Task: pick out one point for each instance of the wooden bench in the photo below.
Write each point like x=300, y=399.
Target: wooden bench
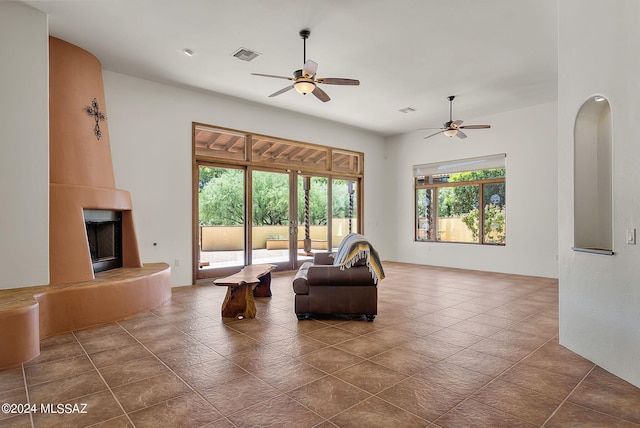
x=242, y=286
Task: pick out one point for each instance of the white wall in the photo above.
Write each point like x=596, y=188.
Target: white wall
x=600, y=295
x=24, y=146
x=528, y=137
x=150, y=132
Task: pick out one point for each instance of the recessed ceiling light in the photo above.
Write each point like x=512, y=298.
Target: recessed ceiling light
x=188, y=52
x=598, y=98
x=407, y=110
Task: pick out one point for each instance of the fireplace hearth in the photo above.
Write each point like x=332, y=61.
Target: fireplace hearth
x=104, y=235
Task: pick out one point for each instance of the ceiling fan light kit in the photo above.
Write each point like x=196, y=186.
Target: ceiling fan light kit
x=304, y=87
x=452, y=128
x=305, y=80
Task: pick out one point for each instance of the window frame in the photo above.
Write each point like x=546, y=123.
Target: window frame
x=239, y=151
x=432, y=183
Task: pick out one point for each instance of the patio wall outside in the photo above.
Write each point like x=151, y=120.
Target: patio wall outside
x=231, y=238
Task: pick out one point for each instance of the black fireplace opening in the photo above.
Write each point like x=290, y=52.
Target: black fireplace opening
x=104, y=235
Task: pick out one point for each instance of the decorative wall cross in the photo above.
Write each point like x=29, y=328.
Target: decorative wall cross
x=98, y=116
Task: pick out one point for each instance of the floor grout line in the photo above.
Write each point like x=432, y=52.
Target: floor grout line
x=26, y=391
x=103, y=379
x=176, y=374
x=568, y=395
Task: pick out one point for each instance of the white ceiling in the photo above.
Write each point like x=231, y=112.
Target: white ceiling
x=494, y=55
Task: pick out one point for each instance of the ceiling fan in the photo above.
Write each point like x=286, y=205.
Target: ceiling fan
x=305, y=80
x=453, y=127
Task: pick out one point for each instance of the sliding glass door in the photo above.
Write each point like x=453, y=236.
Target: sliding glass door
x=259, y=199
x=221, y=219
x=313, y=212
x=288, y=221
x=344, y=213
x=272, y=232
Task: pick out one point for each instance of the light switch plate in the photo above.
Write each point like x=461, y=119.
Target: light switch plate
x=631, y=236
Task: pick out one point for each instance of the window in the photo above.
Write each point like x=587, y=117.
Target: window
x=461, y=201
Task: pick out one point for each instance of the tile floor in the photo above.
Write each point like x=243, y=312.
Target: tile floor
x=449, y=348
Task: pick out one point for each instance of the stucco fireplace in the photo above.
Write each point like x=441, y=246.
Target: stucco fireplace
x=95, y=270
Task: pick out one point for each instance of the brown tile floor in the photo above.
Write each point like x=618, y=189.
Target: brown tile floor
x=449, y=348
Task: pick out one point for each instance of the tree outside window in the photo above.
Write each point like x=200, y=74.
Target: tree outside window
x=221, y=199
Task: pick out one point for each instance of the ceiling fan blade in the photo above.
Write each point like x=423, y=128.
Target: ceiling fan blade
x=432, y=135
x=461, y=134
x=475, y=126
x=321, y=95
x=281, y=91
x=457, y=123
x=338, y=81
x=271, y=75
x=310, y=67
x=424, y=129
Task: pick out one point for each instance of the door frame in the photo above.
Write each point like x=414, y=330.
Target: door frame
x=210, y=147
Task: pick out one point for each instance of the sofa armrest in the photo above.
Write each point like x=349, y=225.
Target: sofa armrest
x=300, y=284
x=319, y=275
x=323, y=259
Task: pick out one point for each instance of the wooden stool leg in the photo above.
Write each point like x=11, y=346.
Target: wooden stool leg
x=264, y=288
x=239, y=302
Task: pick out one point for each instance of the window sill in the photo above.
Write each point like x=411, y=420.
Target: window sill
x=600, y=251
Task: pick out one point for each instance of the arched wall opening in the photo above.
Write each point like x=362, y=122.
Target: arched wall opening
x=593, y=196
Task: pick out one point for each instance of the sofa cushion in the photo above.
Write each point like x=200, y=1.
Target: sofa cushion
x=323, y=258
x=334, y=276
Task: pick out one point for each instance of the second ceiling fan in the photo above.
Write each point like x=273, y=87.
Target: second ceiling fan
x=305, y=80
x=452, y=128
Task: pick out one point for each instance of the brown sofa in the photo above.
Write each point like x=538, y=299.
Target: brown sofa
x=341, y=283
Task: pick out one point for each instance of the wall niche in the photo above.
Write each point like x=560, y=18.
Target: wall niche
x=593, y=187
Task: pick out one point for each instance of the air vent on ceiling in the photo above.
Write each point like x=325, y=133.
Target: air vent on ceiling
x=246, y=54
x=407, y=110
